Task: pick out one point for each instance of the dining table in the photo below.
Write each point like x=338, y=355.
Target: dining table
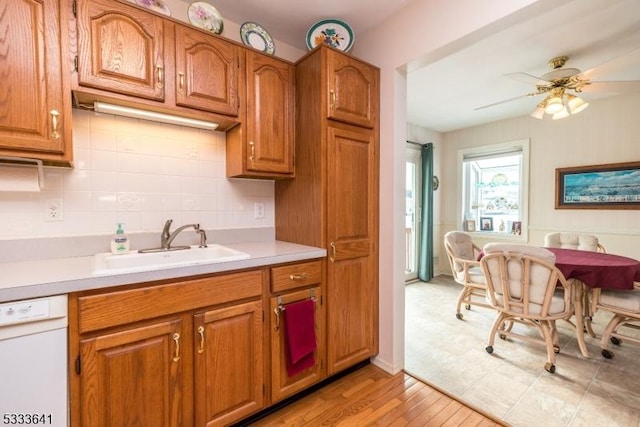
x=586, y=270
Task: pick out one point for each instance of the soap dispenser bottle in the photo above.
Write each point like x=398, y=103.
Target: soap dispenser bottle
x=119, y=241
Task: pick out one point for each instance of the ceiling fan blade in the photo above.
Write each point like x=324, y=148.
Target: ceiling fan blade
x=528, y=79
x=612, y=87
x=506, y=100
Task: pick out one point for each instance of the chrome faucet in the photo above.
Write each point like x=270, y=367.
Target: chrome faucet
x=166, y=238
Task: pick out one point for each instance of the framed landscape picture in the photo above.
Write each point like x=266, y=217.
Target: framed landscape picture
x=610, y=186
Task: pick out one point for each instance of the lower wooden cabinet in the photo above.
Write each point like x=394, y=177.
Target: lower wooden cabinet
x=283, y=385
x=228, y=374
x=192, y=352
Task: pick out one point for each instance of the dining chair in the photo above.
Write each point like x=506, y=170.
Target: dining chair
x=582, y=242
x=465, y=268
x=625, y=306
x=525, y=287
x=571, y=240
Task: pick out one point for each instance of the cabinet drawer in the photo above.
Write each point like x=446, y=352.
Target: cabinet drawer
x=296, y=275
x=123, y=307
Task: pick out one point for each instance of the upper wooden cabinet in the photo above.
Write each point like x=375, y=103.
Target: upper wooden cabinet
x=263, y=146
x=35, y=111
x=206, y=72
x=127, y=55
x=121, y=49
x=352, y=90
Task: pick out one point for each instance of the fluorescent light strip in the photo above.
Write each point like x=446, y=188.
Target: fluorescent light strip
x=135, y=113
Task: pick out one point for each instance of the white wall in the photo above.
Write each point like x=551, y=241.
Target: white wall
x=606, y=132
x=140, y=173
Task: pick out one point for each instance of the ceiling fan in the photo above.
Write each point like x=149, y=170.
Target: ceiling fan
x=558, y=84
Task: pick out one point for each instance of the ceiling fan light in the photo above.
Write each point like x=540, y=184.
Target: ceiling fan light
x=576, y=104
x=538, y=112
x=554, y=105
x=561, y=114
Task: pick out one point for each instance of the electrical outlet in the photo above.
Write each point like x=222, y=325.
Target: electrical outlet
x=53, y=210
x=258, y=210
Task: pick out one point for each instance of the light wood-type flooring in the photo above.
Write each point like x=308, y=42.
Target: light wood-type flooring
x=372, y=397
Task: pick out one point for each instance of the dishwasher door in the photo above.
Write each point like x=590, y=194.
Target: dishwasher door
x=33, y=362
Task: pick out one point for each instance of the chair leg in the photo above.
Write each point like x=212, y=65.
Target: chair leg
x=615, y=321
x=463, y=297
x=500, y=319
x=546, y=328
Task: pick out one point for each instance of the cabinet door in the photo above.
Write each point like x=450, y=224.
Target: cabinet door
x=352, y=90
x=120, y=49
x=228, y=369
x=270, y=114
x=282, y=385
x=33, y=116
x=133, y=377
x=352, y=209
x=206, y=72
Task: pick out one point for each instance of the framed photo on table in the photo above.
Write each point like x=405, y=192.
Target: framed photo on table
x=609, y=186
x=470, y=225
x=486, y=223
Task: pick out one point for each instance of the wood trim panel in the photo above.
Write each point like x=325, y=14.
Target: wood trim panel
x=120, y=308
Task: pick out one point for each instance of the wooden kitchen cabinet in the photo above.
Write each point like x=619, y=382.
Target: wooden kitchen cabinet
x=333, y=202
x=207, y=72
x=35, y=112
x=263, y=145
x=352, y=88
x=134, y=375
x=130, y=56
x=177, y=353
x=282, y=385
x=229, y=375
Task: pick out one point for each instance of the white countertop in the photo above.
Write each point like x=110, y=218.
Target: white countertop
x=32, y=279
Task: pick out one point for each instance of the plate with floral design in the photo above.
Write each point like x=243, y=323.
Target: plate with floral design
x=204, y=15
x=155, y=5
x=332, y=32
x=257, y=37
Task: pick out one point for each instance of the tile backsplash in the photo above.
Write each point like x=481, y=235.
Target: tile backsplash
x=139, y=173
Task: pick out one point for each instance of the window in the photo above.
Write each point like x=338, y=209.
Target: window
x=412, y=211
x=494, y=189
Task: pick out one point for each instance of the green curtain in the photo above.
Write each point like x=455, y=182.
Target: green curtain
x=425, y=261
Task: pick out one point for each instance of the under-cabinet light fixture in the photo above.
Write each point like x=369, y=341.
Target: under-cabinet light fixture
x=135, y=113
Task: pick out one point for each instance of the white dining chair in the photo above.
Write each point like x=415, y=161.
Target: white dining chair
x=625, y=306
x=525, y=287
x=465, y=268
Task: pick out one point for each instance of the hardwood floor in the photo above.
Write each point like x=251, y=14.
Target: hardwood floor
x=372, y=397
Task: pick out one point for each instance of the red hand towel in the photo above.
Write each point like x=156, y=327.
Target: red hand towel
x=300, y=336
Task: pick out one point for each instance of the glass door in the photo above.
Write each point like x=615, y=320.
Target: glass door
x=412, y=211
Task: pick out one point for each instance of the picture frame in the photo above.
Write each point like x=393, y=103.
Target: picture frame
x=486, y=223
x=469, y=225
x=606, y=186
x=516, y=228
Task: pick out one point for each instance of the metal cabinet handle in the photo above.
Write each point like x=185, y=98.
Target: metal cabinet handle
x=159, y=76
x=181, y=83
x=201, y=332
x=54, y=124
x=252, y=146
x=302, y=276
x=332, y=257
x=277, y=313
x=176, y=339
x=332, y=99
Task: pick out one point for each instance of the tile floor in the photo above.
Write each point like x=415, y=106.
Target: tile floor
x=511, y=383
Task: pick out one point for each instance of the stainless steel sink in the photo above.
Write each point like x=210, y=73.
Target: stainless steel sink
x=107, y=263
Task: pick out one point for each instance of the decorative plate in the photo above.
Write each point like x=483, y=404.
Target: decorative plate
x=155, y=5
x=205, y=16
x=257, y=37
x=331, y=32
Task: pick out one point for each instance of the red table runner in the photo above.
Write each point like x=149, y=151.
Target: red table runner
x=597, y=269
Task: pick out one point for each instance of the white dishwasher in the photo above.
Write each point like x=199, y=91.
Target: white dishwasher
x=33, y=362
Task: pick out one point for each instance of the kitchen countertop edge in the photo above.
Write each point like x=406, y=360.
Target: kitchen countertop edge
x=34, y=279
